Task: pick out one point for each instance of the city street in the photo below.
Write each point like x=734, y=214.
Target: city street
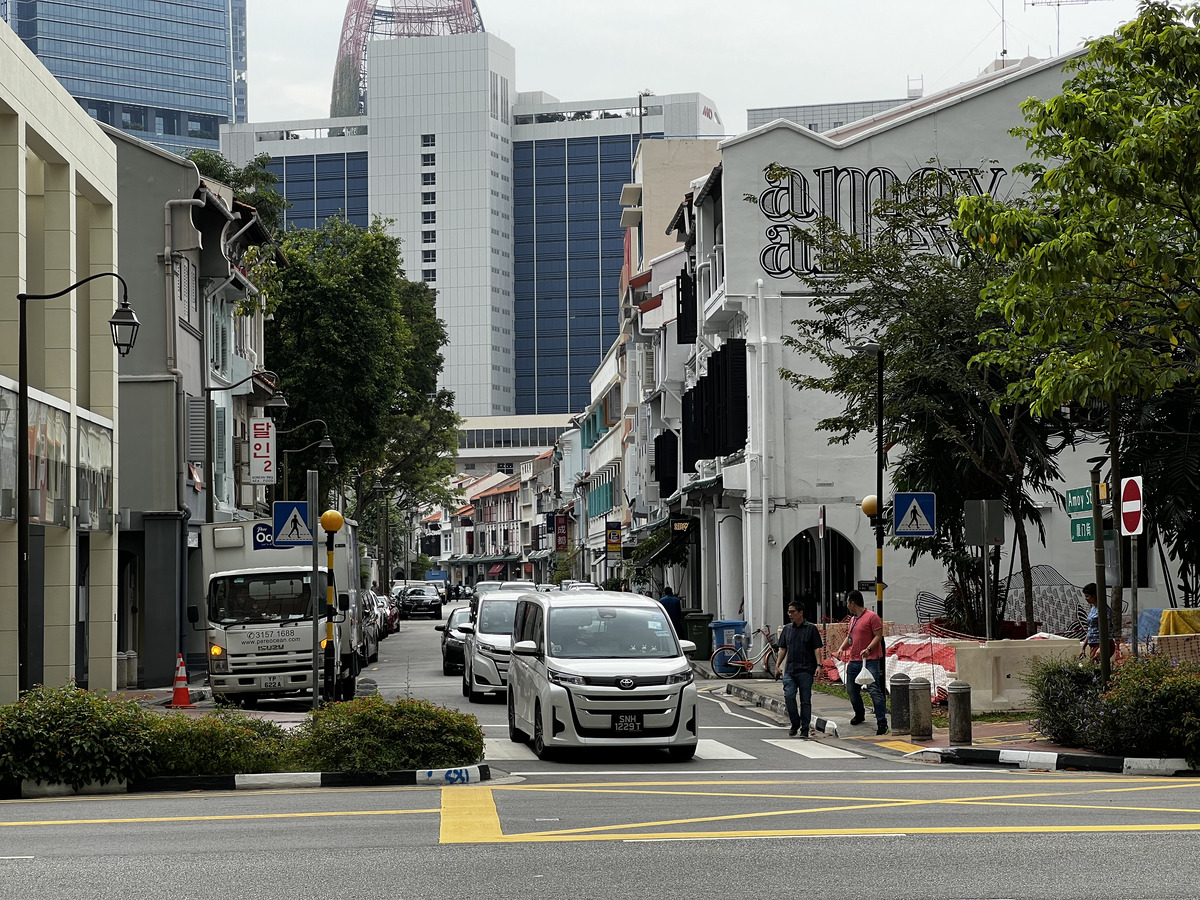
x=756, y=811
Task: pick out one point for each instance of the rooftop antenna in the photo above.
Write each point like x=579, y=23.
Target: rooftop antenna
x=1058, y=5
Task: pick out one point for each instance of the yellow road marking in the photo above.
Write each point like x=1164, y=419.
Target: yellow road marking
x=469, y=816
x=146, y=819
x=902, y=746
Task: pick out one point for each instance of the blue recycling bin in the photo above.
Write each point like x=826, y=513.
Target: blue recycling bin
x=724, y=632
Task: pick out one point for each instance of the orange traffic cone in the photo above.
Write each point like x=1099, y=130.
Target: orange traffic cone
x=181, y=698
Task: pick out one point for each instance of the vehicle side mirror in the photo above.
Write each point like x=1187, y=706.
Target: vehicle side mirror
x=525, y=648
x=467, y=628
x=193, y=613
x=439, y=627
x=343, y=602
x=687, y=646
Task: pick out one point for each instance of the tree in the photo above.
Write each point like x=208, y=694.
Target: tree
x=913, y=285
x=340, y=340
x=1105, y=250
x=253, y=183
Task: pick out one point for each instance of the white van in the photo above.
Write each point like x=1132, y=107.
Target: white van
x=489, y=640
x=599, y=670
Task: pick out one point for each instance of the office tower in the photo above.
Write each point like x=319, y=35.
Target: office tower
x=164, y=72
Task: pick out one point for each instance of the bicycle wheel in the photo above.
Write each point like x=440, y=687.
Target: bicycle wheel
x=728, y=661
x=769, y=664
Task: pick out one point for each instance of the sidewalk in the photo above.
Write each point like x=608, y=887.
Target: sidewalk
x=1014, y=743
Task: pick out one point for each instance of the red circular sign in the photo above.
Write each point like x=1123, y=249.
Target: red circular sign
x=1131, y=505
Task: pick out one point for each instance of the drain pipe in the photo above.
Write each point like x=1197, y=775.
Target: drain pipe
x=763, y=480
x=172, y=318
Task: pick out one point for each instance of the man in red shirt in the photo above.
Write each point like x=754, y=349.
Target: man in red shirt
x=865, y=643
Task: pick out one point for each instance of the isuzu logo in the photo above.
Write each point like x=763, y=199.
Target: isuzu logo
x=626, y=684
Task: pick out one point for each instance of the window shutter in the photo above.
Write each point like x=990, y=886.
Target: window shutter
x=195, y=430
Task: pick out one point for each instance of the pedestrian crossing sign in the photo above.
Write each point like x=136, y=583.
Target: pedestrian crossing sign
x=291, y=523
x=915, y=515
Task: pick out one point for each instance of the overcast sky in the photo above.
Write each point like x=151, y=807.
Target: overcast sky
x=740, y=53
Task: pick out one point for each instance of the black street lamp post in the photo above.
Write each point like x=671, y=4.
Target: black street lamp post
x=124, y=326
x=876, y=350
x=324, y=443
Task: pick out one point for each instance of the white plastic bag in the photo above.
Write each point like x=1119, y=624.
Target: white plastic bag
x=864, y=677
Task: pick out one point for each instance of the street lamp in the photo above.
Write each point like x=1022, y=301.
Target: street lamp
x=124, y=327
x=324, y=444
x=275, y=407
x=873, y=506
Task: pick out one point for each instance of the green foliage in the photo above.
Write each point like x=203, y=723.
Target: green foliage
x=1152, y=707
x=370, y=734
x=253, y=183
x=66, y=735
x=221, y=743
x=1101, y=294
x=1065, y=694
x=340, y=339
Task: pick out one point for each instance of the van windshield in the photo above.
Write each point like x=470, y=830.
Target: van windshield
x=496, y=616
x=607, y=632
x=261, y=597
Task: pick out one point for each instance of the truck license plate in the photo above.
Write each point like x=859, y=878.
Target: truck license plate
x=627, y=723
x=272, y=681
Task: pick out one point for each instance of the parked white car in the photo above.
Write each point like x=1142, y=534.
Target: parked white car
x=489, y=640
x=605, y=670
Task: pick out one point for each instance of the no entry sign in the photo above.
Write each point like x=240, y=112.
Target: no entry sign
x=1132, y=520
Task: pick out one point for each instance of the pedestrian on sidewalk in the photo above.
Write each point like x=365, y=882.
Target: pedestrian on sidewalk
x=673, y=608
x=864, y=642
x=1091, y=640
x=798, y=645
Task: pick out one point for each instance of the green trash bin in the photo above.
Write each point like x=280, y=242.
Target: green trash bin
x=696, y=630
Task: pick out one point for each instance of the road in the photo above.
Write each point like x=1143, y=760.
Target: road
x=755, y=813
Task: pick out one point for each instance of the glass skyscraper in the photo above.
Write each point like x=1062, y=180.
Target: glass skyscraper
x=167, y=72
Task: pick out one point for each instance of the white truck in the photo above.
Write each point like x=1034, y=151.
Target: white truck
x=258, y=612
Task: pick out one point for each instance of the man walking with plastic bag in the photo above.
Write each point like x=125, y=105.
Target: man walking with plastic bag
x=864, y=666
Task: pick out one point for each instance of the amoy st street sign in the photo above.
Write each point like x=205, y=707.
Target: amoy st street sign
x=1079, y=500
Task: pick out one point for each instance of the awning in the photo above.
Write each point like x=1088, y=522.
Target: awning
x=497, y=569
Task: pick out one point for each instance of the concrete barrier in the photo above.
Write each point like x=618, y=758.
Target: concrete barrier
x=994, y=669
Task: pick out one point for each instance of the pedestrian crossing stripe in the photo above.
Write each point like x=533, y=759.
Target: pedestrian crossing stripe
x=496, y=749
x=295, y=528
x=914, y=520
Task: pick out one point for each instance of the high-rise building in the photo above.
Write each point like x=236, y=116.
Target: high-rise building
x=170, y=73
x=508, y=204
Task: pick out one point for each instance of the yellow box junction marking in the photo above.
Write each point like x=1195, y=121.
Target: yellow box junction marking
x=469, y=815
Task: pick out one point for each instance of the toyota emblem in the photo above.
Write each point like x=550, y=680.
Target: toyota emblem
x=626, y=684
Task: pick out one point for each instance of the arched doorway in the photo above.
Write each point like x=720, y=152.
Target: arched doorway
x=818, y=573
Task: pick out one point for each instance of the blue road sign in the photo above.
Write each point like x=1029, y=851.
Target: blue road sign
x=291, y=523
x=915, y=515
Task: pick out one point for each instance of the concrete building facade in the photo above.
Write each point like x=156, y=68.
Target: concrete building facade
x=58, y=225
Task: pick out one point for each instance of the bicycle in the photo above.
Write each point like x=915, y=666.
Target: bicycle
x=729, y=660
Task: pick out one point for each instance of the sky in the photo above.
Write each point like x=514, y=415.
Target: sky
x=740, y=53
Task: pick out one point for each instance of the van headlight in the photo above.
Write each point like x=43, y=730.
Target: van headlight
x=563, y=677
x=218, y=662
x=684, y=677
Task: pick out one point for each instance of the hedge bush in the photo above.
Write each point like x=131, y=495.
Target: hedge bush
x=70, y=736
x=371, y=734
x=220, y=743
x=66, y=735
x=1151, y=708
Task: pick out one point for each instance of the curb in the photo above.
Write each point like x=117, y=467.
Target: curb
x=258, y=782
x=1054, y=762
x=825, y=726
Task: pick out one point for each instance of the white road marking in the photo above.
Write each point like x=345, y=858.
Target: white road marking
x=813, y=749
x=706, y=749
x=15, y=857
x=730, y=712
x=496, y=748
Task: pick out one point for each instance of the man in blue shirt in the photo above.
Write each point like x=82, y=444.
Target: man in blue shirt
x=1091, y=641
x=673, y=608
x=798, y=645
